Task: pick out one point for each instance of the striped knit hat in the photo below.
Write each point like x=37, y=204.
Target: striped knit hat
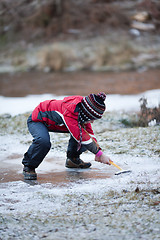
x=92, y=107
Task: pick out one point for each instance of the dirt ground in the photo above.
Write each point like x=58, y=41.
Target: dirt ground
x=78, y=83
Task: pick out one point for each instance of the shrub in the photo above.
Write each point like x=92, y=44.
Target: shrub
x=146, y=117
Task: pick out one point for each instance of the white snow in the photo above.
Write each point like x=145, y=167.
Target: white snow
x=114, y=102
x=18, y=105
x=131, y=102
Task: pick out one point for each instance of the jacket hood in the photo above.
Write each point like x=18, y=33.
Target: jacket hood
x=70, y=103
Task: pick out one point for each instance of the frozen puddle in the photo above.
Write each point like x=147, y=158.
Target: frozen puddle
x=52, y=170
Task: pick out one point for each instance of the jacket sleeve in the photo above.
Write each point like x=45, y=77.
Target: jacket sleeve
x=92, y=147
x=72, y=126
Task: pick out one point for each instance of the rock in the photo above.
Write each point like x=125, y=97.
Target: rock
x=137, y=190
x=152, y=123
x=141, y=16
x=135, y=32
x=144, y=57
x=143, y=26
x=47, y=69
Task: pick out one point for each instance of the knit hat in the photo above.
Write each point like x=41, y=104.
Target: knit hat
x=92, y=107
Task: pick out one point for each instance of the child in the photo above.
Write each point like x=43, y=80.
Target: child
x=72, y=115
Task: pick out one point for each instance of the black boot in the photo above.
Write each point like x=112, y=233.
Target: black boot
x=76, y=163
x=29, y=173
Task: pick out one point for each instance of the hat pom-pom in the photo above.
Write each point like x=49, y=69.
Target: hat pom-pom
x=102, y=95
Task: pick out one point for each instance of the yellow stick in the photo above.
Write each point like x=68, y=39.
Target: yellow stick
x=116, y=165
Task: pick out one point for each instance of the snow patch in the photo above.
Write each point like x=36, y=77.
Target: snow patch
x=114, y=102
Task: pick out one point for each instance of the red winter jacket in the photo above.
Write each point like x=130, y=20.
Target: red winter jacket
x=51, y=113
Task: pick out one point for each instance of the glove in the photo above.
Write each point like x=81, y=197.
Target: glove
x=103, y=159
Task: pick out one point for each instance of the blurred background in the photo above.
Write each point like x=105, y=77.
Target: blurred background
x=68, y=47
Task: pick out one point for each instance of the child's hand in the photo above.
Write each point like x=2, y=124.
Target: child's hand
x=103, y=159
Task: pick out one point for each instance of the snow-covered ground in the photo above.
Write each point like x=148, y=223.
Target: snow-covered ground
x=82, y=204
x=115, y=102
